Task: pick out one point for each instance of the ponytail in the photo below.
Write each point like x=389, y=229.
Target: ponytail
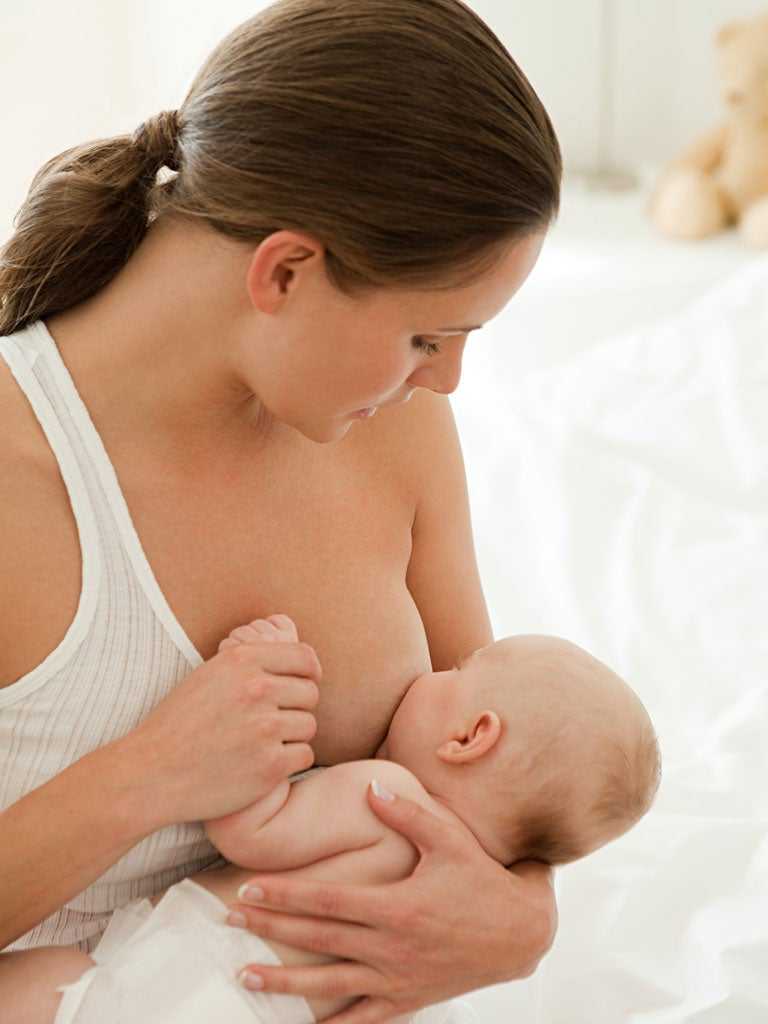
x=86, y=212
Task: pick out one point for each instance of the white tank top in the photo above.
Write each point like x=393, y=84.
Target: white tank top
x=122, y=654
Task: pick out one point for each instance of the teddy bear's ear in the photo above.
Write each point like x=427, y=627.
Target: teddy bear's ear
x=728, y=32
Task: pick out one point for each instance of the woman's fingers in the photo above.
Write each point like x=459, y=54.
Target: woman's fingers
x=425, y=830
x=289, y=659
x=361, y=904
x=329, y=981
x=288, y=693
x=347, y=941
x=297, y=726
x=368, y=1011
x=297, y=757
x=536, y=871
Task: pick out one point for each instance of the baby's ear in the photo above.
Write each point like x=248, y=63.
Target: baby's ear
x=473, y=743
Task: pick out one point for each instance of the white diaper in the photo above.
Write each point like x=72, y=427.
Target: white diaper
x=176, y=963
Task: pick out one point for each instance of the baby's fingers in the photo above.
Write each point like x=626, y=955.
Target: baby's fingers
x=275, y=628
x=248, y=635
x=286, y=625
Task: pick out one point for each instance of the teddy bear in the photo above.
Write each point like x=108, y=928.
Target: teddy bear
x=722, y=179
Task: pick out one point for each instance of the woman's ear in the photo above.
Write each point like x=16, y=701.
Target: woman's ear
x=474, y=743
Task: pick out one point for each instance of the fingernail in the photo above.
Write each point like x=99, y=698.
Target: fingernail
x=250, y=980
x=380, y=791
x=249, y=893
x=236, y=919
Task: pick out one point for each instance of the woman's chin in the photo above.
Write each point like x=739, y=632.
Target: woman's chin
x=322, y=431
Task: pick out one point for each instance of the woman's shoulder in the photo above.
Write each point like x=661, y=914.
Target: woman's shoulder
x=23, y=438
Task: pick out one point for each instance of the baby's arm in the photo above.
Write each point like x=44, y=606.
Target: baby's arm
x=230, y=834
x=325, y=815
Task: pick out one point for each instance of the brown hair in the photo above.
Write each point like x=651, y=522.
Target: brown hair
x=400, y=133
x=630, y=779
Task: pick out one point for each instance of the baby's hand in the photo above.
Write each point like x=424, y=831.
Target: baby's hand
x=275, y=628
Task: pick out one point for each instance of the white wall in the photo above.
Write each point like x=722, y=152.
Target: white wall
x=665, y=82
x=667, y=87
x=65, y=77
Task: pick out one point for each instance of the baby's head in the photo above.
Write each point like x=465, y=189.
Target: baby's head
x=541, y=749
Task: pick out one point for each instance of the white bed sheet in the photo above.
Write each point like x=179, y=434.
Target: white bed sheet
x=614, y=421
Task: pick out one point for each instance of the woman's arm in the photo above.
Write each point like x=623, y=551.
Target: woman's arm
x=62, y=836
x=443, y=577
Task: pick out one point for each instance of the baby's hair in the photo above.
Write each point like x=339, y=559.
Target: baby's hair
x=582, y=714
x=400, y=134
x=629, y=781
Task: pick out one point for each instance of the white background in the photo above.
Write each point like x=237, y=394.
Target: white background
x=623, y=500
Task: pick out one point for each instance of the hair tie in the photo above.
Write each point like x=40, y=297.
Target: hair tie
x=158, y=138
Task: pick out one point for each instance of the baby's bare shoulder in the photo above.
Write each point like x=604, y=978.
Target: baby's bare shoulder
x=361, y=773
x=357, y=846
x=355, y=777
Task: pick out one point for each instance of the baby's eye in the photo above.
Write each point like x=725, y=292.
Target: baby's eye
x=426, y=346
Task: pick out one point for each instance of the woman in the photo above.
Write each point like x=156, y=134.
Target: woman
x=358, y=184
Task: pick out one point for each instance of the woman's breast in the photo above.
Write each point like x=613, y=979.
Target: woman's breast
x=319, y=533
x=324, y=537
x=374, y=649
x=339, y=569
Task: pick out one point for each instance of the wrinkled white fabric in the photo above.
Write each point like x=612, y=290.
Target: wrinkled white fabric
x=623, y=503
x=177, y=963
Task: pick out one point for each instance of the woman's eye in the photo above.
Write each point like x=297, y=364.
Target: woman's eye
x=426, y=346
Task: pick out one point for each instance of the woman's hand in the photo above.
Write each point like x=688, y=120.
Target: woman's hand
x=460, y=922
x=230, y=732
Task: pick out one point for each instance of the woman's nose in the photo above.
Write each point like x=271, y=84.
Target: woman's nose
x=442, y=375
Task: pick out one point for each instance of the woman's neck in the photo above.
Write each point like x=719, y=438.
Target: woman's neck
x=155, y=351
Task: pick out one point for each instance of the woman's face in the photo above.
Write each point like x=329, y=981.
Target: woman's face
x=315, y=357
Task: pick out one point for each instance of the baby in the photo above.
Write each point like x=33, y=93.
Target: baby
x=538, y=748
x=532, y=745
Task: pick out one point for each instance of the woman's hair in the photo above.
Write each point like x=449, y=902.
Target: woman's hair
x=399, y=133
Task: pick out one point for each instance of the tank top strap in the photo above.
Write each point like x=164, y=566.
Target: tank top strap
x=21, y=359
x=111, y=504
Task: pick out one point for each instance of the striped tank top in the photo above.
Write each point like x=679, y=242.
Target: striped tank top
x=122, y=654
